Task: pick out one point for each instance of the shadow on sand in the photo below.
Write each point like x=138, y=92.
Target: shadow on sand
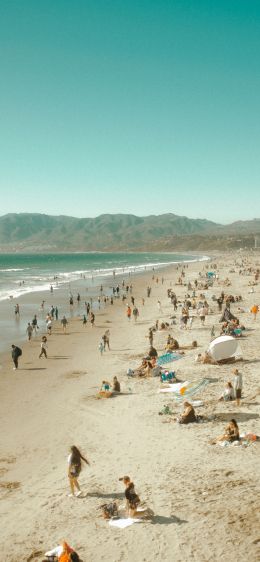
x=101, y=495
x=238, y=416
x=161, y=520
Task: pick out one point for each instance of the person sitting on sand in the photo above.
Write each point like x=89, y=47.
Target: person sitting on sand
x=116, y=385
x=172, y=344
x=105, y=387
x=231, y=433
x=188, y=415
x=228, y=393
x=132, y=499
x=152, y=352
x=75, y=466
x=144, y=370
x=207, y=359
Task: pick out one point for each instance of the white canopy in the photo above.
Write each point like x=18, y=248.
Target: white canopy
x=223, y=347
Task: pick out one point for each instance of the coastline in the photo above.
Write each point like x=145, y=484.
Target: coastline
x=194, y=489
x=13, y=327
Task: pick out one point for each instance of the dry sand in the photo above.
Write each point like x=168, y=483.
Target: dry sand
x=205, y=498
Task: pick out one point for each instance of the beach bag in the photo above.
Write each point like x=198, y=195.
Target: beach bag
x=109, y=510
x=74, y=557
x=166, y=377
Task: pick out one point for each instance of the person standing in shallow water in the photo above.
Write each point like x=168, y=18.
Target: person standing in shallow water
x=29, y=331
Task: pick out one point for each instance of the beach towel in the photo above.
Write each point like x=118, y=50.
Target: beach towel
x=183, y=391
x=175, y=387
x=168, y=358
x=123, y=523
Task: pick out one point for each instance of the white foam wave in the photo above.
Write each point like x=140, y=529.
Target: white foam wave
x=14, y=269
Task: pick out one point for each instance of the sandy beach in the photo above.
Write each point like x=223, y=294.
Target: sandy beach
x=205, y=498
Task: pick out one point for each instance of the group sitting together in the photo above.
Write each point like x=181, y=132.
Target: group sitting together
x=108, y=389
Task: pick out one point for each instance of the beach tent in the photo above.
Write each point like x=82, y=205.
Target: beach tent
x=227, y=316
x=223, y=347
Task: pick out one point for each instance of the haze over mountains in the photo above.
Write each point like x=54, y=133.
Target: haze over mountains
x=32, y=232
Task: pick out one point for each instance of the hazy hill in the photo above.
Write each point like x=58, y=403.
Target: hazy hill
x=39, y=232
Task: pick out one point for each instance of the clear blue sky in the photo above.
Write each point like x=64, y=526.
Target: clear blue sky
x=141, y=107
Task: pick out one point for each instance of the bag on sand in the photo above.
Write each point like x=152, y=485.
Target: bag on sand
x=74, y=557
x=109, y=510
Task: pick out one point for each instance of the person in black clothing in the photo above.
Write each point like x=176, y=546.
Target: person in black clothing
x=16, y=352
x=131, y=496
x=152, y=352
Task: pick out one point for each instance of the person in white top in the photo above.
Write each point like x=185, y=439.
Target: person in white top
x=238, y=385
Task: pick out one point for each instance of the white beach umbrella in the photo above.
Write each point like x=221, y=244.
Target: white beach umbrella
x=223, y=347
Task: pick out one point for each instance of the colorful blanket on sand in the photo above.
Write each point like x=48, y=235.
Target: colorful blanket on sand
x=186, y=389
x=168, y=358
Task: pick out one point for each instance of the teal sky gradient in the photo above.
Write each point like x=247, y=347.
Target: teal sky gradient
x=136, y=107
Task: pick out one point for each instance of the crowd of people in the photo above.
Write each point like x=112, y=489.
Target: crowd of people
x=194, y=306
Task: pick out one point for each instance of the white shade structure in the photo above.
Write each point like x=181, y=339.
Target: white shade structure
x=223, y=347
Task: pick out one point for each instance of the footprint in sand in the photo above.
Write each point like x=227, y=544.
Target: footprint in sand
x=9, y=486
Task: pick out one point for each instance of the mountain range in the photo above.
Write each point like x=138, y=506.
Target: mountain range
x=33, y=232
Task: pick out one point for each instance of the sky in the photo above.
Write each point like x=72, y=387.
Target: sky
x=142, y=107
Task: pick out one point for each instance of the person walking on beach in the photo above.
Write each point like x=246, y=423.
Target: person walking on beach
x=150, y=336
x=16, y=353
x=128, y=312
x=254, y=310
x=64, y=323
x=92, y=319
x=84, y=321
x=35, y=324
x=105, y=339
x=75, y=467
x=29, y=331
x=101, y=346
x=43, y=347
x=49, y=326
x=17, y=310
x=135, y=313
x=238, y=385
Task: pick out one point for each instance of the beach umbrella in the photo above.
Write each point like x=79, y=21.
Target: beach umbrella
x=223, y=347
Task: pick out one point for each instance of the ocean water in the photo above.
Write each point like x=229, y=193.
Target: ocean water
x=25, y=279
x=27, y=273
